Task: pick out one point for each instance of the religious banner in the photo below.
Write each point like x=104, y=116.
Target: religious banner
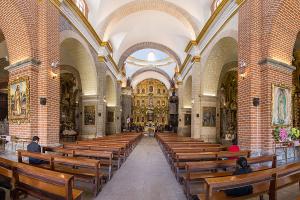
x=89, y=115
x=18, y=100
x=281, y=106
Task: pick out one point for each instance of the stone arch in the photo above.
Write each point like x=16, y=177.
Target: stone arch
x=187, y=97
x=284, y=17
x=223, y=52
x=74, y=51
x=150, y=73
x=145, y=45
x=110, y=92
x=141, y=5
x=16, y=29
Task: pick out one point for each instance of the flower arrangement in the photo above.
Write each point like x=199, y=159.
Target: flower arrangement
x=286, y=134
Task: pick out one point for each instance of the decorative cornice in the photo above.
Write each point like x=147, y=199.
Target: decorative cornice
x=221, y=16
x=102, y=59
x=107, y=45
x=80, y=22
x=23, y=63
x=84, y=20
x=278, y=64
x=187, y=59
x=196, y=59
x=190, y=46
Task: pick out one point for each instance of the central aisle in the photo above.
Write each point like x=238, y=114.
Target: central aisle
x=145, y=175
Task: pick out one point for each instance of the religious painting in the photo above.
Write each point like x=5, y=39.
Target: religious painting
x=187, y=119
x=89, y=115
x=18, y=100
x=209, y=117
x=281, y=106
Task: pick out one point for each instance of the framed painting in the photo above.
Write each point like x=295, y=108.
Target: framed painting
x=209, y=117
x=281, y=105
x=89, y=115
x=18, y=100
x=110, y=116
x=187, y=119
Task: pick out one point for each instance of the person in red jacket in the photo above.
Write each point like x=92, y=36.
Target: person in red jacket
x=234, y=147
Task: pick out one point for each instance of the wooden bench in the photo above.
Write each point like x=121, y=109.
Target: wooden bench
x=38, y=182
x=182, y=158
x=265, y=181
x=105, y=157
x=83, y=169
x=196, y=172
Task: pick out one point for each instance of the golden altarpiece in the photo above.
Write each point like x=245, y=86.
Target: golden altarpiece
x=228, y=105
x=150, y=103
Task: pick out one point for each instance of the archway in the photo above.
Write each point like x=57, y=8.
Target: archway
x=77, y=81
x=219, y=91
x=4, y=130
x=296, y=83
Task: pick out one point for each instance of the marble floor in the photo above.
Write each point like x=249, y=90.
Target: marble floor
x=146, y=175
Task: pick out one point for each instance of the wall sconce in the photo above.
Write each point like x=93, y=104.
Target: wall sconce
x=54, y=65
x=104, y=99
x=193, y=101
x=243, y=75
x=242, y=66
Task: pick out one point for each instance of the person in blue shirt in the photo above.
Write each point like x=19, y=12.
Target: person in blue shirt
x=36, y=148
x=241, y=168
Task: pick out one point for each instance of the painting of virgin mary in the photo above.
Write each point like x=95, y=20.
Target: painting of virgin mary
x=281, y=112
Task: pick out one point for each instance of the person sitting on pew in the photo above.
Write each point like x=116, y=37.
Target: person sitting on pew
x=241, y=168
x=35, y=147
x=234, y=147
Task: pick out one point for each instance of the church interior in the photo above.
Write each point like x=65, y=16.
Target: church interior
x=149, y=99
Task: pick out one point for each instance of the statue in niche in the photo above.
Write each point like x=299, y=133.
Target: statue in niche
x=69, y=104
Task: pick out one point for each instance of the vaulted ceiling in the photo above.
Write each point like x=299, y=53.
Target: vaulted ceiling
x=170, y=23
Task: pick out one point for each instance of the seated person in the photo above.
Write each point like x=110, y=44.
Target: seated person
x=241, y=168
x=35, y=147
x=234, y=148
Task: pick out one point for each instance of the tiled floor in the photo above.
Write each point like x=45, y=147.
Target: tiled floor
x=146, y=175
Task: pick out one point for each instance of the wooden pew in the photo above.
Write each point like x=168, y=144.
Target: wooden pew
x=105, y=157
x=182, y=158
x=37, y=182
x=83, y=169
x=265, y=181
x=196, y=172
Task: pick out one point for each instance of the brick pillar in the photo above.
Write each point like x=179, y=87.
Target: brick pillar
x=48, y=87
x=196, y=104
x=27, y=69
x=183, y=130
x=260, y=73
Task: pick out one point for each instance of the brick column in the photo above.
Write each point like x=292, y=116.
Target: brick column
x=27, y=68
x=196, y=104
x=260, y=71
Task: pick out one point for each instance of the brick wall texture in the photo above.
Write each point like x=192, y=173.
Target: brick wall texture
x=267, y=29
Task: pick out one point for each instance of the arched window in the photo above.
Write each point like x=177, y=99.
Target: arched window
x=82, y=6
